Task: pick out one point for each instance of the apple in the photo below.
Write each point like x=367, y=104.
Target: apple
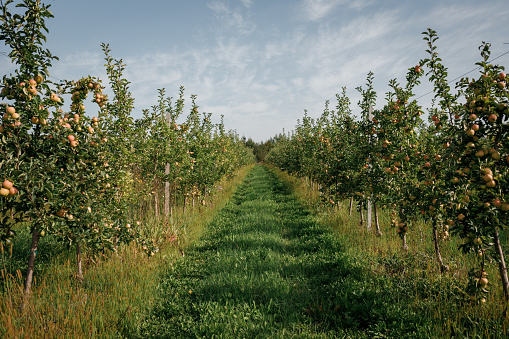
x=90, y=130
x=61, y=213
x=4, y=191
x=497, y=203
x=479, y=153
x=54, y=97
x=492, y=118
x=455, y=180
x=496, y=156
x=472, y=117
x=417, y=69
x=491, y=184
x=10, y=110
x=71, y=137
x=470, y=132
x=461, y=216
x=501, y=84
x=13, y=191
x=487, y=177
x=38, y=78
x=475, y=127
x=74, y=143
x=7, y=184
x=35, y=120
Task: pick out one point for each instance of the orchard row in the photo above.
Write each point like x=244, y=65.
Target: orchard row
x=452, y=172
x=76, y=177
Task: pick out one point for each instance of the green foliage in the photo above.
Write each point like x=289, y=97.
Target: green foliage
x=81, y=179
x=450, y=173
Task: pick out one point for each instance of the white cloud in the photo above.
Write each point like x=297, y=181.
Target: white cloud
x=317, y=9
x=247, y=3
x=230, y=20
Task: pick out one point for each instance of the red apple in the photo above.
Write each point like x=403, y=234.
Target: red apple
x=497, y=203
x=7, y=184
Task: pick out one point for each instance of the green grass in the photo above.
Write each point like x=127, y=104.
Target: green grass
x=266, y=268
x=266, y=262
x=413, y=276
x=118, y=289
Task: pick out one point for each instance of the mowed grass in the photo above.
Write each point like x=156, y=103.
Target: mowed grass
x=118, y=289
x=265, y=268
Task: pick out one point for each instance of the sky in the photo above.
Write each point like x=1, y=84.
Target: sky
x=261, y=63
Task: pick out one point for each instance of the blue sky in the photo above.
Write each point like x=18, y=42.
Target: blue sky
x=260, y=63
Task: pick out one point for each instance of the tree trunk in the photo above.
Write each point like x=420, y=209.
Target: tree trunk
x=351, y=205
x=31, y=261
x=369, y=218
x=501, y=267
x=156, y=207
x=79, y=275
x=403, y=242
x=377, y=223
x=167, y=192
x=437, y=250
x=171, y=199
x=362, y=216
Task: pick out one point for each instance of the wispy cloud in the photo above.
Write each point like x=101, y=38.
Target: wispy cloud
x=231, y=20
x=247, y=3
x=261, y=69
x=317, y=9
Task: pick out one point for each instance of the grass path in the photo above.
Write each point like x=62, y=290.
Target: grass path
x=266, y=269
